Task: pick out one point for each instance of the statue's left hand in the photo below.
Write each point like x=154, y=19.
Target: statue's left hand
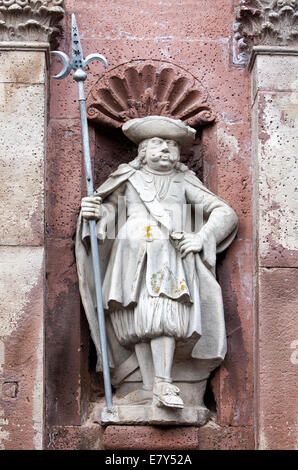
x=191, y=242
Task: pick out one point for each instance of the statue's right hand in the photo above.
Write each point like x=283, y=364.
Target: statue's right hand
x=91, y=207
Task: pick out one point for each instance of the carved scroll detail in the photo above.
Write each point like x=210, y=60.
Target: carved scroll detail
x=266, y=22
x=31, y=20
x=146, y=88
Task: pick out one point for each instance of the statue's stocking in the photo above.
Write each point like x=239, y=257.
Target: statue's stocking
x=164, y=392
x=163, y=349
x=144, y=356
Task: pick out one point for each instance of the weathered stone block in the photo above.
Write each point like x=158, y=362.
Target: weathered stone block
x=214, y=437
x=22, y=111
x=87, y=437
x=20, y=67
x=21, y=347
x=150, y=438
x=277, y=178
x=274, y=72
x=277, y=359
x=209, y=437
x=172, y=21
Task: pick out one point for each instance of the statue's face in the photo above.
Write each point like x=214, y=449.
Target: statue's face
x=162, y=154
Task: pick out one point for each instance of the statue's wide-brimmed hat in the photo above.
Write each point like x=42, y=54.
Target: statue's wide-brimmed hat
x=148, y=127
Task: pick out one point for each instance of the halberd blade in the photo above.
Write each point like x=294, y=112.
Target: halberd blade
x=66, y=65
x=92, y=57
x=77, y=52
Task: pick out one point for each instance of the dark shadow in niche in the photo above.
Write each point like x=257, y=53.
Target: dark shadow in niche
x=209, y=398
x=113, y=148
x=92, y=384
x=236, y=383
x=96, y=378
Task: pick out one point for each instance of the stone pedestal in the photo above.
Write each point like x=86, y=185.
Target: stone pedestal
x=152, y=415
x=209, y=437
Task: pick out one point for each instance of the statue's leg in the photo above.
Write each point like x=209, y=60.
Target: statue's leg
x=164, y=393
x=163, y=349
x=144, y=356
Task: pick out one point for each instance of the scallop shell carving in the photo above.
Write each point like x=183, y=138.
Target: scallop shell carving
x=146, y=89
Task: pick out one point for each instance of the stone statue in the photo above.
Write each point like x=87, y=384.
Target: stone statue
x=163, y=305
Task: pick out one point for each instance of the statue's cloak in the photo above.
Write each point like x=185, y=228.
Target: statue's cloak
x=210, y=337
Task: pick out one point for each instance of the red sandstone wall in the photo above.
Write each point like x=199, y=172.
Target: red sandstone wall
x=198, y=37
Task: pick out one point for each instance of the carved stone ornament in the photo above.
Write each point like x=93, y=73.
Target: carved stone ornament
x=266, y=22
x=147, y=88
x=31, y=20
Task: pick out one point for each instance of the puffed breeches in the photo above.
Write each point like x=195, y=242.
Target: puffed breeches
x=152, y=317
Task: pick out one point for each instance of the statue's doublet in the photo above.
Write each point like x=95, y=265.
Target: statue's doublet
x=142, y=248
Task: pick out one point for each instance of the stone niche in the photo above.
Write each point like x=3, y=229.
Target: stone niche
x=135, y=89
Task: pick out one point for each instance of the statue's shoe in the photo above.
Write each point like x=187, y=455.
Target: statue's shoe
x=166, y=394
x=138, y=397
